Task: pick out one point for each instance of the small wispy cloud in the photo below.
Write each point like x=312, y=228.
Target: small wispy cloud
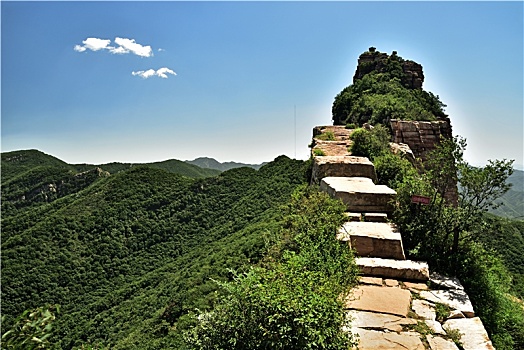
x=124, y=46
x=162, y=73
x=161, y=49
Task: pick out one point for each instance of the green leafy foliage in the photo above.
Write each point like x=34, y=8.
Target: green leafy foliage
x=370, y=143
x=293, y=300
x=31, y=330
x=326, y=136
x=130, y=255
x=447, y=235
x=380, y=96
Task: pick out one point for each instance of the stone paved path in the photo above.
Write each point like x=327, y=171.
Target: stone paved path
x=398, y=304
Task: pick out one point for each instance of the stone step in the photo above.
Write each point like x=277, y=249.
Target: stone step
x=375, y=217
x=395, y=269
x=359, y=194
x=373, y=239
x=342, y=166
x=368, y=217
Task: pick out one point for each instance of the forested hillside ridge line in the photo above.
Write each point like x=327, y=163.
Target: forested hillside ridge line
x=211, y=163
x=31, y=178
x=385, y=87
x=131, y=256
x=512, y=201
x=15, y=162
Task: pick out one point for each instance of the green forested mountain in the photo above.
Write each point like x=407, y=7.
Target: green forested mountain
x=127, y=255
x=513, y=200
x=210, y=163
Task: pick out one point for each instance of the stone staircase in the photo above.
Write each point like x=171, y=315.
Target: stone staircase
x=398, y=304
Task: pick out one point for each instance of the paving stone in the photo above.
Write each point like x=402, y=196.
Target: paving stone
x=455, y=299
x=438, y=343
x=394, y=301
x=424, y=309
x=370, y=280
x=435, y=326
x=376, y=340
x=474, y=335
x=455, y=314
x=395, y=269
x=359, y=194
x=374, y=239
x=391, y=283
x=364, y=319
x=416, y=286
x=445, y=282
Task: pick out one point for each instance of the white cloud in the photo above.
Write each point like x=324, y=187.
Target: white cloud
x=96, y=44
x=137, y=49
x=161, y=49
x=79, y=48
x=162, y=73
x=124, y=46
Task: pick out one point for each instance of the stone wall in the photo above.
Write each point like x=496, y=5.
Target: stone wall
x=423, y=137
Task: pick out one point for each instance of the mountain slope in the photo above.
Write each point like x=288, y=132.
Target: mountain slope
x=513, y=200
x=129, y=254
x=210, y=163
x=17, y=162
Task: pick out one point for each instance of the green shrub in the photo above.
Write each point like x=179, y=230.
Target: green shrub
x=318, y=152
x=293, y=300
x=327, y=136
x=370, y=143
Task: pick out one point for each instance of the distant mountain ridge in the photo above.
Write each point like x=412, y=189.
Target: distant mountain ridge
x=512, y=201
x=211, y=163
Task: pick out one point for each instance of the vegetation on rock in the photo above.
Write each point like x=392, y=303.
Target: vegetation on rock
x=380, y=93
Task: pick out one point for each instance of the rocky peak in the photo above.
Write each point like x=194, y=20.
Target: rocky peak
x=410, y=72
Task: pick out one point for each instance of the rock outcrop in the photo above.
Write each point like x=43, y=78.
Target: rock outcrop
x=372, y=60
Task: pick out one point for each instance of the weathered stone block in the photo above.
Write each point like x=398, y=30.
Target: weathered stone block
x=375, y=340
x=374, y=239
x=365, y=319
x=397, y=269
x=474, y=335
x=438, y=343
x=359, y=194
x=342, y=166
x=385, y=300
x=455, y=298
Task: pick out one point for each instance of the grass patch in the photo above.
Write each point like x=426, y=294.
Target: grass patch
x=326, y=136
x=318, y=152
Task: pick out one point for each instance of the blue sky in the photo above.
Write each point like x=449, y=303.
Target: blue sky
x=234, y=72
